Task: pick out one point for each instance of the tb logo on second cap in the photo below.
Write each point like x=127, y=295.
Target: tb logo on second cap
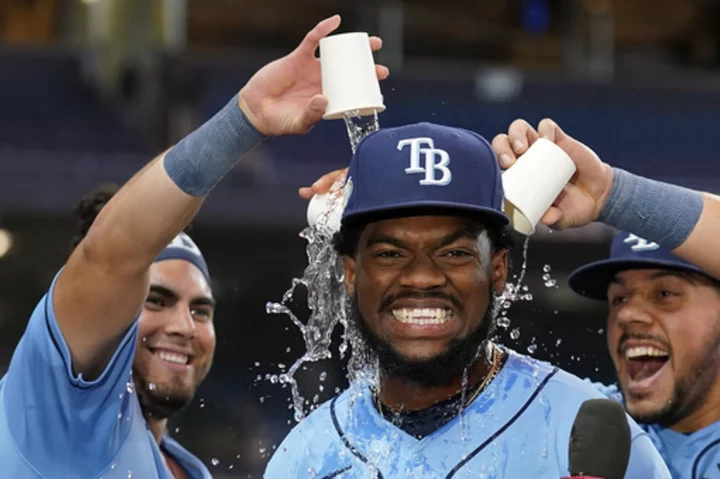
x=425, y=147
x=640, y=244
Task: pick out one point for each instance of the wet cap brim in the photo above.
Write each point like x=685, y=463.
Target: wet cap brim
x=592, y=280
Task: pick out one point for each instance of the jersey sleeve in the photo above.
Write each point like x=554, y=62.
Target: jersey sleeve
x=53, y=412
x=645, y=460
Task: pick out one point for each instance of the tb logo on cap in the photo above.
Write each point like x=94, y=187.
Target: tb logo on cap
x=425, y=147
x=640, y=244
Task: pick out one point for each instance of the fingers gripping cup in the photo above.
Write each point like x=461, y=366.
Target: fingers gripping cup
x=349, y=80
x=534, y=182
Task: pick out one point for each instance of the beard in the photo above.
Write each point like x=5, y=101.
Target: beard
x=160, y=401
x=439, y=370
x=690, y=391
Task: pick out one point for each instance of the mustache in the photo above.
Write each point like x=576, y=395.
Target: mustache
x=388, y=300
x=641, y=336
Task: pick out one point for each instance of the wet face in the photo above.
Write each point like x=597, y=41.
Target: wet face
x=176, y=338
x=423, y=289
x=664, y=338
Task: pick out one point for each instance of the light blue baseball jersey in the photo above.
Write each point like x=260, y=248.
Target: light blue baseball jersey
x=519, y=427
x=55, y=424
x=688, y=456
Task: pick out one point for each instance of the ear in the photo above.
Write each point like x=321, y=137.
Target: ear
x=350, y=269
x=500, y=261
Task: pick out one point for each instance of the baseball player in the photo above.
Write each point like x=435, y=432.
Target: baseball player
x=425, y=256
x=69, y=406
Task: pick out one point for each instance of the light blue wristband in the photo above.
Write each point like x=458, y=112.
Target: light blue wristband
x=651, y=209
x=205, y=156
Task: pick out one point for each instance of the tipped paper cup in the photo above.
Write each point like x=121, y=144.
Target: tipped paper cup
x=534, y=182
x=324, y=213
x=349, y=80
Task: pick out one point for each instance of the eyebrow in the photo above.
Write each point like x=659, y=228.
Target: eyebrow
x=172, y=295
x=378, y=238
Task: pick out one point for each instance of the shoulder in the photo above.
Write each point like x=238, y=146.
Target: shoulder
x=309, y=440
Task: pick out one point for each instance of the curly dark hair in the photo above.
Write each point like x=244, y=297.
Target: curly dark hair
x=89, y=207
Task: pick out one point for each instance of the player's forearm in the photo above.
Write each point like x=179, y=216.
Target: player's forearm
x=159, y=201
x=702, y=247
x=680, y=219
x=104, y=284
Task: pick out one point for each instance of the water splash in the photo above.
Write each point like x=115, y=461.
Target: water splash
x=323, y=280
x=358, y=127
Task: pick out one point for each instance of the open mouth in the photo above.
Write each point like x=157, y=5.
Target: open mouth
x=422, y=316
x=644, y=364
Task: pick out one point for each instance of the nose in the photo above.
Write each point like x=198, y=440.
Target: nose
x=181, y=323
x=423, y=273
x=634, y=311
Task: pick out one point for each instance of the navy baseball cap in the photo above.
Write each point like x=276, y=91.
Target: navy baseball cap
x=183, y=247
x=422, y=166
x=626, y=252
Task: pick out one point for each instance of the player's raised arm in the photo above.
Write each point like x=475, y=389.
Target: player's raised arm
x=684, y=221
x=105, y=282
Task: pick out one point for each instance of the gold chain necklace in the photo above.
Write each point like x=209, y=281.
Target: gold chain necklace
x=494, y=369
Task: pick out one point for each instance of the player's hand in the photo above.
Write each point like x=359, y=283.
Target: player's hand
x=323, y=184
x=583, y=198
x=285, y=97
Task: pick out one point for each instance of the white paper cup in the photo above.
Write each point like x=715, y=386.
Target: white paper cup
x=324, y=213
x=349, y=80
x=534, y=182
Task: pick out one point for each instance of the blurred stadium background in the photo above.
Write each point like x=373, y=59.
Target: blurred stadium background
x=92, y=89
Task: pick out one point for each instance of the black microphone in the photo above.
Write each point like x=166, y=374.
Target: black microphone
x=600, y=441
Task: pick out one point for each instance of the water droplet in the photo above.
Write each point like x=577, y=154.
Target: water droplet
x=506, y=305
x=503, y=322
x=546, y=277
x=144, y=339
x=547, y=268
x=202, y=405
x=316, y=399
x=130, y=387
x=601, y=331
x=237, y=457
x=515, y=333
x=532, y=348
x=119, y=416
x=281, y=366
x=177, y=430
x=262, y=399
x=550, y=283
x=321, y=388
x=129, y=474
x=214, y=461
x=262, y=450
x=257, y=364
x=151, y=386
x=323, y=376
x=113, y=466
x=231, y=466
x=287, y=350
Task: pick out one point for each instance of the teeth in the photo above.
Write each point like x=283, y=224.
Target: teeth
x=422, y=315
x=644, y=351
x=173, y=357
